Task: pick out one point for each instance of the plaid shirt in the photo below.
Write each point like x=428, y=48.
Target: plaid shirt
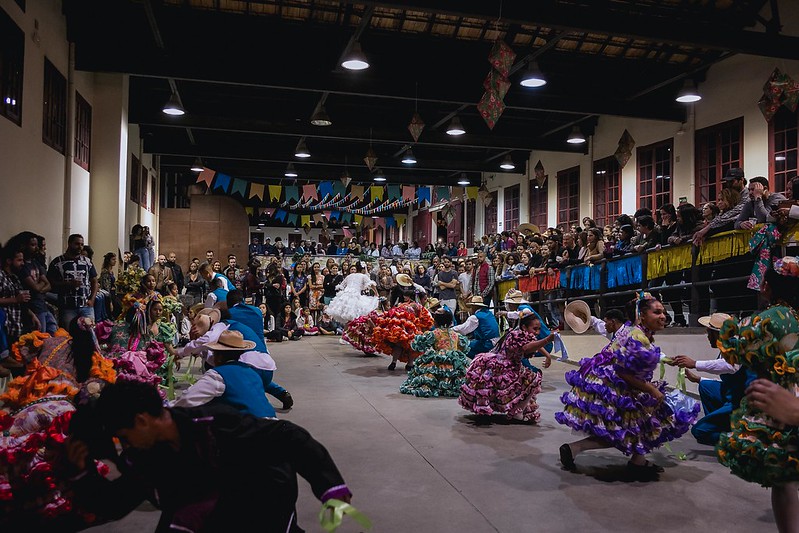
x=64, y=268
x=9, y=288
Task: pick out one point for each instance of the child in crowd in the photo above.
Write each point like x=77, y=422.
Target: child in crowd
x=305, y=322
x=328, y=326
x=296, y=307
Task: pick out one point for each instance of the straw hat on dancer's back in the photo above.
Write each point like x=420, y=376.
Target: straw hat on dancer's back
x=577, y=315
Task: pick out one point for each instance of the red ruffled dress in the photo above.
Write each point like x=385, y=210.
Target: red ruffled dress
x=398, y=327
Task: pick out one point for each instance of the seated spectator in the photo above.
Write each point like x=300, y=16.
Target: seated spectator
x=414, y=252
x=255, y=247
x=726, y=202
x=462, y=250
x=709, y=212
x=757, y=210
x=668, y=222
x=421, y=277
x=305, y=322
x=650, y=234
x=625, y=245
x=328, y=326
x=688, y=223
x=595, y=249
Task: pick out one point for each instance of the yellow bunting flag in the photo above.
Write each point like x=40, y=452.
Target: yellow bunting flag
x=257, y=190
x=306, y=220
x=377, y=192
x=400, y=219
x=250, y=210
x=358, y=219
x=274, y=192
x=471, y=192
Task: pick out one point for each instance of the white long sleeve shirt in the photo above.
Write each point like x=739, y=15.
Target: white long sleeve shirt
x=197, y=346
x=469, y=325
x=599, y=327
x=716, y=367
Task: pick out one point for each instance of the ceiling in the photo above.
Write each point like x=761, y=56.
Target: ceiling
x=250, y=75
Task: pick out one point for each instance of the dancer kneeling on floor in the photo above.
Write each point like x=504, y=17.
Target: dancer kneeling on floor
x=615, y=401
x=498, y=383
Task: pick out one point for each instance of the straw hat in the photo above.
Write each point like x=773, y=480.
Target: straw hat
x=528, y=228
x=515, y=296
x=231, y=340
x=714, y=321
x=577, y=315
x=405, y=280
x=212, y=312
x=206, y=318
x=432, y=303
x=476, y=301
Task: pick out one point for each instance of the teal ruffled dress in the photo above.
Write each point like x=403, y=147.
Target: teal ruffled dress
x=441, y=369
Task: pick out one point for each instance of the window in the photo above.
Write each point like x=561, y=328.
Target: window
x=54, y=122
x=83, y=132
x=607, y=191
x=654, y=175
x=511, y=208
x=12, y=56
x=569, y=197
x=783, y=148
x=143, y=186
x=471, y=212
x=718, y=148
x=538, y=204
x=135, y=173
x=490, y=225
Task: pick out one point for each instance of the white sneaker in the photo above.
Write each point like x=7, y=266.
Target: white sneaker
x=342, y=341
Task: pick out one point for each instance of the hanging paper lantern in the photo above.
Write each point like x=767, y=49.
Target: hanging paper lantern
x=485, y=196
x=416, y=126
x=370, y=159
x=345, y=178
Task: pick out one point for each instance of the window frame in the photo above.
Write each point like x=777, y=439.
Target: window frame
x=721, y=165
x=781, y=174
x=54, y=112
x=657, y=198
x=511, y=207
x=135, y=178
x=606, y=176
x=493, y=209
x=538, y=198
x=567, y=179
x=12, y=68
x=83, y=132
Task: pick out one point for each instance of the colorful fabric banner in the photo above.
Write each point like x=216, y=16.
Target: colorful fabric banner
x=471, y=193
x=274, y=192
x=309, y=192
x=345, y=218
x=457, y=193
x=339, y=188
x=257, y=190
x=292, y=193
x=358, y=219
x=222, y=181
x=408, y=192
x=317, y=218
x=623, y=272
x=390, y=222
x=423, y=195
x=239, y=186
x=206, y=176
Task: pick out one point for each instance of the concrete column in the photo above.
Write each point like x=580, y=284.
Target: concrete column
x=108, y=188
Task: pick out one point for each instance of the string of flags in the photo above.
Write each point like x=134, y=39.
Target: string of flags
x=333, y=198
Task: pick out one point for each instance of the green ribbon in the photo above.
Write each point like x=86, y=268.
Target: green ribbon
x=680, y=374
x=332, y=515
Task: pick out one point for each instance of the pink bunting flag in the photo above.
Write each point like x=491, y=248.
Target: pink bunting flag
x=309, y=191
x=408, y=192
x=207, y=176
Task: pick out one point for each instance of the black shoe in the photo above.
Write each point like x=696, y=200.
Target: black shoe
x=567, y=458
x=287, y=400
x=393, y=365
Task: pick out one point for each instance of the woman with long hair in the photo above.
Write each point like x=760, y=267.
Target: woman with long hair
x=615, y=401
x=316, y=290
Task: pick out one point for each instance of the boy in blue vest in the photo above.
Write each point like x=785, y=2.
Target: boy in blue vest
x=481, y=326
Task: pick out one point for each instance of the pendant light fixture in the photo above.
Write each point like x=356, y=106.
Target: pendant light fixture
x=463, y=181
x=355, y=58
x=302, y=150
x=290, y=172
x=197, y=166
x=409, y=158
x=688, y=93
x=576, y=136
x=173, y=106
x=507, y=163
x=321, y=118
x=379, y=176
x=455, y=127
x=532, y=77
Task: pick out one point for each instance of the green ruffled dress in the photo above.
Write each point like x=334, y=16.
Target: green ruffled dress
x=758, y=448
x=441, y=369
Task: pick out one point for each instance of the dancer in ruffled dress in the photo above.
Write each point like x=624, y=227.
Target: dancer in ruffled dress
x=498, y=383
x=763, y=443
x=441, y=369
x=395, y=329
x=615, y=401
x=356, y=296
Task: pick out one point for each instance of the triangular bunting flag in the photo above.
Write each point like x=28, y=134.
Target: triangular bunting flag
x=309, y=192
x=346, y=217
x=400, y=219
x=292, y=193
x=423, y=194
x=358, y=219
x=347, y=232
x=379, y=222
x=339, y=188
x=257, y=190
x=377, y=192
x=207, y=176
x=457, y=193
x=408, y=192
x=334, y=215
x=317, y=218
x=249, y=210
x=325, y=188
x=305, y=220
x=222, y=181
x=292, y=219
x=280, y=214
x=267, y=211
x=394, y=192
x=239, y=186
x=274, y=192
x=390, y=222
x=442, y=194
x=327, y=214
x=471, y=192
x=357, y=191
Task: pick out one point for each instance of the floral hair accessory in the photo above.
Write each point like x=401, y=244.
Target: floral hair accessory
x=787, y=266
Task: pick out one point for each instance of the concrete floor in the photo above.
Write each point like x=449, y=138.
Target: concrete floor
x=427, y=465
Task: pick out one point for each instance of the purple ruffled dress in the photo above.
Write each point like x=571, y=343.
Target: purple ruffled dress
x=601, y=404
x=497, y=383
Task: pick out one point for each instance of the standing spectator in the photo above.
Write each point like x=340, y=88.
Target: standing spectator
x=13, y=300
x=709, y=212
x=332, y=249
x=298, y=284
x=209, y=257
x=73, y=276
x=252, y=282
x=331, y=281
x=595, y=250
x=161, y=272
x=138, y=243
x=760, y=205
x=373, y=251
x=414, y=252
x=422, y=278
x=232, y=270
x=195, y=283
x=462, y=250
x=268, y=248
x=688, y=222
x=177, y=271
x=34, y=278
x=107, y=282
x=483, y=278
x=149, y=243
x=447, y=282
x=735, y=180
x=650, y=234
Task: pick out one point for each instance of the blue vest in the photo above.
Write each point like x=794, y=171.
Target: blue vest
x=251, y=317
x=248, y=334
x=734, y=385
x=487, y=326
x=221, y=295
x=244, y=390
